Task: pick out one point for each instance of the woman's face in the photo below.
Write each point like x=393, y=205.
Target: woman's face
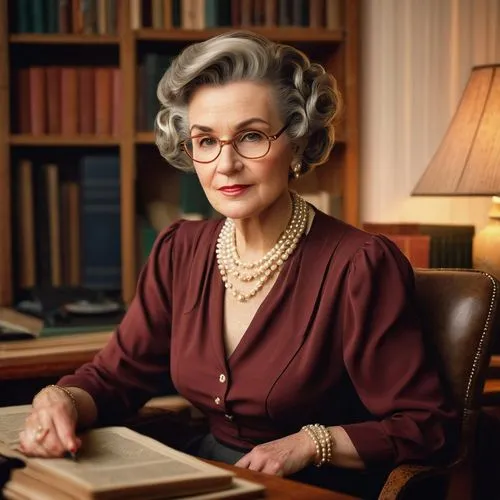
x=239, y=187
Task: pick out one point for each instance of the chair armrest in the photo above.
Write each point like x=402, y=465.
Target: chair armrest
x=404, y=477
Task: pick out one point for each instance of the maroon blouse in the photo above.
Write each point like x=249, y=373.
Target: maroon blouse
x=336, y=341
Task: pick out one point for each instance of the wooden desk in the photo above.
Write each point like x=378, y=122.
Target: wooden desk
x=51, y=356
x=278, y=488
x=28, y=365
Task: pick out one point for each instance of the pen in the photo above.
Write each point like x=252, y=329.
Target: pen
x=71, y=455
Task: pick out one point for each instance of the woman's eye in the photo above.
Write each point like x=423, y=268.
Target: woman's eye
x=206, y=142
x=251, y=136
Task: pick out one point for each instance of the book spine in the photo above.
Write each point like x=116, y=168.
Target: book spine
x=103, y=100
x=117, y=107
x=69, y=101
x=64, y=16
x=316, y=13
x=167, y=14
x=51, y=172
x=26, y=225
x=23, y=16
x=100, y=222
x=271, y=14
x=86, y=99
x=53, y=99
x=42, y=229
x=177, y=13
x=23, y=101
x=37, y=100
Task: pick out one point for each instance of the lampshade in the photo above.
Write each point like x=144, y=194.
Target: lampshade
x=468, y=159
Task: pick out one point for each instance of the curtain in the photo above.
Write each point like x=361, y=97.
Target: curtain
x=416, y=59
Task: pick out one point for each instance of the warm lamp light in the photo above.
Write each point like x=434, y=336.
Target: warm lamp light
x=467, y=162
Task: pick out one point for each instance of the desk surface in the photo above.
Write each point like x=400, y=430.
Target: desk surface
x=278, y=488
x=47, y=357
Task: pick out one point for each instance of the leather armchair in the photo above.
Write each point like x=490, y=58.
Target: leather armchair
x=460, y=311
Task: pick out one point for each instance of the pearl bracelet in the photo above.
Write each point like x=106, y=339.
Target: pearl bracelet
x=323, y=441
x=66, y=391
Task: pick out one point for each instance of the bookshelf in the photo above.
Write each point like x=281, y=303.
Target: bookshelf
x=337, y=49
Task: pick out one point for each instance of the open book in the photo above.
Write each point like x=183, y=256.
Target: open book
x=115, y=463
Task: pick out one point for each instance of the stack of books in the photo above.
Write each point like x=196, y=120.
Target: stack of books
x=115, y=462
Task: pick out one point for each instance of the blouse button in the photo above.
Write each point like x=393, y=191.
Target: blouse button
x=222, y=378
x=229, y=417
x=217, y=400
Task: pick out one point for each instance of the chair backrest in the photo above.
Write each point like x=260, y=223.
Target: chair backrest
x=460, y=313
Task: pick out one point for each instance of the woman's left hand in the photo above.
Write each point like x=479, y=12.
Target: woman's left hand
x=282, y=457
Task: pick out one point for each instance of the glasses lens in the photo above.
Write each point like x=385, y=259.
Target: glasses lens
x=251, y=144
x=202, y=147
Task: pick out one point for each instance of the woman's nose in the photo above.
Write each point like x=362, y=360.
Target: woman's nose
x=228, y=160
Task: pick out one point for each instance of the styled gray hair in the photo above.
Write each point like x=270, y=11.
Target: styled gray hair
x=308, y=99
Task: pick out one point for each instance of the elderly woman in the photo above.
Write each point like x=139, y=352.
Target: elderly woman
x=293, y=332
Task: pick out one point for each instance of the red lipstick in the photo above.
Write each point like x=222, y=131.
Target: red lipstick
x=234, y=189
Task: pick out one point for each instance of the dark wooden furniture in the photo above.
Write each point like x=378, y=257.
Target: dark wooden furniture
x=28, y=365
x=278, y=488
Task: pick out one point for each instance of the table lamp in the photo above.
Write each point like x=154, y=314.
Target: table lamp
x=467, y=162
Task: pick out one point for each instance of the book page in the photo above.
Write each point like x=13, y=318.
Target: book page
x=117, y=458
x=241, y=488
x=24, y=486
x=12, y=423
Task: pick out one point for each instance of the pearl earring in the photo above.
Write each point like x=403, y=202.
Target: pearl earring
x=296, y=169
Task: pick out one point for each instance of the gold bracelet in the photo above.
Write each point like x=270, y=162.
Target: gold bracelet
x=66, y=391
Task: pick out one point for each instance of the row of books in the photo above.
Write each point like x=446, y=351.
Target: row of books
x=67, y=222
x=102, y=16
x=67, y=218
x=68, y=100
x=430, y=245
x=201, y=14
x=66, y=16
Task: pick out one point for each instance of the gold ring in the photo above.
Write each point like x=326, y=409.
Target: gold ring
x=40, y=434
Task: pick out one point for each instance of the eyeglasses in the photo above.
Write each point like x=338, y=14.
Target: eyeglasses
x=250, y=144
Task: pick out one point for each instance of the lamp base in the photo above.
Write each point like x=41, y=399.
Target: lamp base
x=486, y=246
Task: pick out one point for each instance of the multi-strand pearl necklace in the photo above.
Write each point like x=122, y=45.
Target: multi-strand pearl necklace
x=262, y=270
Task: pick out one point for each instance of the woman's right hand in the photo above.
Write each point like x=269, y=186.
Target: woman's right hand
x=50, y=429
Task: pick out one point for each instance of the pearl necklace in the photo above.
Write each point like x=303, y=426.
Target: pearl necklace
x=262, y=270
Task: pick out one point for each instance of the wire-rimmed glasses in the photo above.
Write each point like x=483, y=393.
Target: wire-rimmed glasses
x=250, y=144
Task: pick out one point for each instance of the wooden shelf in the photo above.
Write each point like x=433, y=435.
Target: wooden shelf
x=61, y=140
x=291, y=34
x=63, y=39
x=145, y=137
x=49, y=356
